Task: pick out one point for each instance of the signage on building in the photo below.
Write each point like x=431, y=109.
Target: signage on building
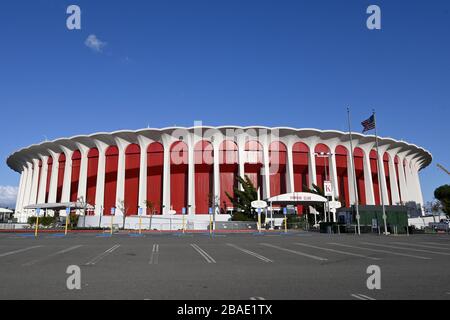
x=328, y=190
x=259, y=204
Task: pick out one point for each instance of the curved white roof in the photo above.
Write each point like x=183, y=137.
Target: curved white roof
x=18, y=159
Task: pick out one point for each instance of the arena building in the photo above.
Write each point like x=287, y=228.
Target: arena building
x=179, y=169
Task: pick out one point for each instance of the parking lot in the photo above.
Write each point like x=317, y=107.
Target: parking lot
x=249, y=266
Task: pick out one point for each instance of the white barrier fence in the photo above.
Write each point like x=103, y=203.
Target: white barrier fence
x=13, y=226
x=156, y=222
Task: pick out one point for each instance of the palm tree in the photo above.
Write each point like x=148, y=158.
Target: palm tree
x=150, y=205
x=320, y=207
x=242, y=199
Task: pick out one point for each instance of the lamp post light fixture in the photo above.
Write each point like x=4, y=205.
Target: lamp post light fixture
x=326, y=155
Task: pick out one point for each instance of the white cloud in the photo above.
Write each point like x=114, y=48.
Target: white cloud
x=8, y=195
x=94, y=43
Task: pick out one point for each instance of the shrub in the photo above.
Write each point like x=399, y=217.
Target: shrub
x=43, y=221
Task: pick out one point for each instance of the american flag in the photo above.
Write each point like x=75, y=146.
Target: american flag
x=368, y=124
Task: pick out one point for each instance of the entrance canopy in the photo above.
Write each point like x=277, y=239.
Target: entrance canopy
x=297, y=198
x=60, y=206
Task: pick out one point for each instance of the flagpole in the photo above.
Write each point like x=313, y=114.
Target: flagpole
x=379, y=177
x=354, y=173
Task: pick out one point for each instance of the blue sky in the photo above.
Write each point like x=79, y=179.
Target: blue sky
x=243, y=62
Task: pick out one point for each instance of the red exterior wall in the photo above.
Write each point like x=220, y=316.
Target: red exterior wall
x=155, y=167
x=62, y=166
x=132, y=168
x=179, y=176
x=322, y=164
x=49, y=176
x=228, y=172
x=277, y=169
x=204, y=176
x=253, y=164
x=374, y=171
x=75, y=177
x=341, y=155
x=112, y=160
x=300, y=154
x=91, y=186
x=358, y=157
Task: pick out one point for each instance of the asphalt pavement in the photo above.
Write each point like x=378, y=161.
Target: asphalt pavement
x=298, y=265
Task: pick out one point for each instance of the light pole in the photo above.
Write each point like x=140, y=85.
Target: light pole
x=326, y=155
x=355, y=186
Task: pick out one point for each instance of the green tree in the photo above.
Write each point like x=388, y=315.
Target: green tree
x=443, y=195
x=243, y=198
x=150, y=205
x=123, y=207
x=320, y=207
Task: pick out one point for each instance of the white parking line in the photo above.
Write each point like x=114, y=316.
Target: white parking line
x=419, y=245
x=337, y=251
x=254, y=254
x=155, y=254
x=361, y=296
x=18, y=251
x=51, y=255
x=438, y=244
x=203, y=253
x=403, y=248
x=257, y=298
x=379, y=250
x=295, y=252
x=102, y=255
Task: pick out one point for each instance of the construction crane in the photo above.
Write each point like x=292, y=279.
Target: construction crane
x=443, y=169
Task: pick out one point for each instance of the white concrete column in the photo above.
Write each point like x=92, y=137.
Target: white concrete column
x=19, y=188
x=18, y=210
x=368, y=183
x=353, y=194
x=27, y=192
x=393, y=180
x=101, y=170
x=166, y=177
x=333, y=173
x=266, y=171
x=120, y=188
x=290, y=169
x=29, y=184
x=312, y=167
x=20, y=193
x=65, y=196
x=415, y=178
x=52, y=191
x=241, y=160
x=43, y=180
x=410, y=185
x=143, y=145
x=34, y=186
x=383, y=191
x=82, y=182
x=191, y=176
x=402, y=179
x=216, y=169
x=419, y=194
